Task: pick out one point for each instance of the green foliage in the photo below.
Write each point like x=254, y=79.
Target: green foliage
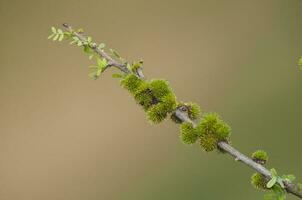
x=57, y=34
x=260, y=156
x=276, y=193
x=211, y=130
x=135, y=66
x=300, y=62
x=96, y=70
x=259, y=181
x=276, y=186
x=188, y=133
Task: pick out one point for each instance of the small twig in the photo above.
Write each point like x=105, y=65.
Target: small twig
x=290, y=187
x=182, y=114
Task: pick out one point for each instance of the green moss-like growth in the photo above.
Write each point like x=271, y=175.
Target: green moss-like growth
x=187, y=133
x=300, y=63
x=211, y=130
x=160, y=88
x=144, y=97
x=208, y=142
x=159, y=111
x=194, y=110
x=131, y=83
x=259, y=181
x=260, y=157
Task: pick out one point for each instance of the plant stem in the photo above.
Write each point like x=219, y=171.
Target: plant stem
x=183, y=116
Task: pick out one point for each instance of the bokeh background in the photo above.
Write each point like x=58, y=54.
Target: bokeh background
x=66, y=137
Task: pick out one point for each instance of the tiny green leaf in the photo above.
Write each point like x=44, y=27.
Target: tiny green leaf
x=280, y=181
x=55, y=37
x=117, y=76
x=117, y=55
x=61, y=37
x=79, y=43
x=272, y=182
x=289, y=177
x=274, y=172
x=50, y=36
x=101, y=46
x=89, y=39
x=60, y=31
x=53, y=29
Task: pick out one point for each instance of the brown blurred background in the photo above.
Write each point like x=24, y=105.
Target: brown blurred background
x=65, y=137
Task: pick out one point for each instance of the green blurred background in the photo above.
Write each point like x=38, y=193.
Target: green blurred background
x=65, y=137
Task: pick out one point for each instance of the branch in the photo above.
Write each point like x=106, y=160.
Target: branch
x=182, y=113
x=290, y=188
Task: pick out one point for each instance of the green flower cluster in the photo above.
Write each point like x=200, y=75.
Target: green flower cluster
x=260, y=157
x=210, y=130
x=155, y=96
x=257, y=179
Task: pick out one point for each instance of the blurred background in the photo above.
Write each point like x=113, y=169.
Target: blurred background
x=66, y=137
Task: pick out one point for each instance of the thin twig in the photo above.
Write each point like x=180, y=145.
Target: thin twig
x=183, y=116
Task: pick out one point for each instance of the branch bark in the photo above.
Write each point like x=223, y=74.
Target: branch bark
x=183, y=116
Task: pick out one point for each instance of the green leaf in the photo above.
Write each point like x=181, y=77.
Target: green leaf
x=75, y=38
x=280, y=181
x=61, y=37
x=289, y=177
x=272, y=182
x=117, y=76
x=101, y=46
x=117, y=55
x=274, y=172
x=60, y=31
x=55, y=37
x=53, y=29
x=86, y=49
x=50, y=36
x=93, y=75
x=89, y=39
x=79, y=43
x=93, y=67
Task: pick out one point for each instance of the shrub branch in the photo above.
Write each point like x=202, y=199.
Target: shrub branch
x=153, y=97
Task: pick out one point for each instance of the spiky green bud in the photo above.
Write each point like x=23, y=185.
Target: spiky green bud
x=259, y=181
x=208, y=142
x=131, y=83
x=211, y=130
x=260, y=157
x=144, y=97
x=160, y=88
x=300, y=62
x=194, y=110
x=188, y=134
x=159, y=111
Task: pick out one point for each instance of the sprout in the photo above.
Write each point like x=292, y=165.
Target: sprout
x=187, y=133
x=211, y=130
x=260, y=157
x=259, y=181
